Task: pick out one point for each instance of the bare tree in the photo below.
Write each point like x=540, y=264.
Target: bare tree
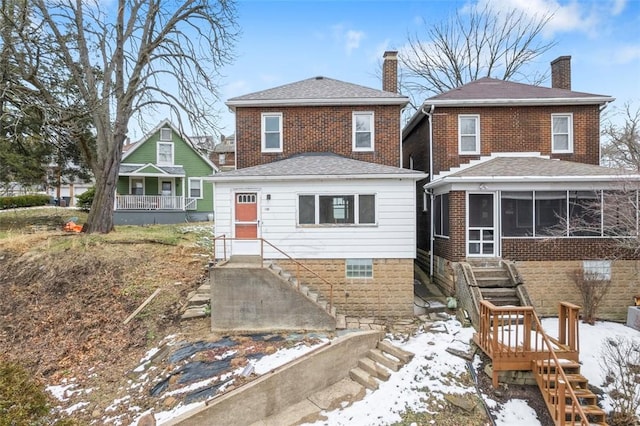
x=621, y=147
x=481, y=43
x=122, y=60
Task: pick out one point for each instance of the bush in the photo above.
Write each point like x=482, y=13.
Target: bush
x=85, y=200
x=31, y=200
x=592, y=288
x=621, y=365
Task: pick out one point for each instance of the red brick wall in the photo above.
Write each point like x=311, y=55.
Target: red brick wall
x=558, y=249
x=453, y=248
x=515, y=129
x=318, y=129
x=416, y=145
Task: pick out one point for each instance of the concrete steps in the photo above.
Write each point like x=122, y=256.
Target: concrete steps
x=378, y=364
x=312, y=295
x=198, y=303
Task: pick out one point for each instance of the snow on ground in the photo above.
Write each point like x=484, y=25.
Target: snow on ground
x=427, y=375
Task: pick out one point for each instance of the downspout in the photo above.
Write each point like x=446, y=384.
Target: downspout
x=431, y=238
x=602, y=108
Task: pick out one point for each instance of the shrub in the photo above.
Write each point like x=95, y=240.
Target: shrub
x=621, y=366
x=592, y=288
x=23, y=399
x=85, y=200
x=31, y=200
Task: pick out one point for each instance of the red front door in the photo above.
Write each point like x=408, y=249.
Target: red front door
x=246, y=217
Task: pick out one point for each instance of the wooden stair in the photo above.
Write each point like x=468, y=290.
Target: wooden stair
x=558, y=397
x=378, y=364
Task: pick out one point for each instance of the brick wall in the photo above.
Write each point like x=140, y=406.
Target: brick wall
x=540, y=249
x=515, y=129
x=550, y=282
x=318, y=129
x=389, y=294
x=453, y=248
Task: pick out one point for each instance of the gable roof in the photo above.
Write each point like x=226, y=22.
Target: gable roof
x=130, y=148
x=527, y=168
x=128, y=169
x=318, y=91
x=317, y=166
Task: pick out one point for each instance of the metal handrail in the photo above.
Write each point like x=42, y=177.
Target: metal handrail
x=298, y=264
x=492, y=326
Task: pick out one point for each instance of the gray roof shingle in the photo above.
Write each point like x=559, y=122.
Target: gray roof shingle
x=316, y=165
x=535, y=167
x=490, y=88
x=316, y=90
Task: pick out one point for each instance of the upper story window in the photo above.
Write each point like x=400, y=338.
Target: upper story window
x=272, y=132
x=222, y=159
x=562, y=133
x=165, y=134
x=363, y=134
x=165, y=154
x=469, y=134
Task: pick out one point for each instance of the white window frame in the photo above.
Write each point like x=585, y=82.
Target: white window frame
x=133, y=179
x=166, y=134
x=201, y=188
x=263, y=130
x=569, y=150
x=164, y=163
x=358, y=269
x=599, y=268
x=222, y=159
x=371, y=117
x=356, y=212
x=476, y=117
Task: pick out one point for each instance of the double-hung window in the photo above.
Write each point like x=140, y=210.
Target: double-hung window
x=469, y=134
x=348, y=209
x=363, y=131
x=165, y=154
x=136, y=186
x=562, y=133
x=272, y=132
x=195, y=188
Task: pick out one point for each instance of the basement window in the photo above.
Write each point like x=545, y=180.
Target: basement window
x=359, y=268
x=596, y=270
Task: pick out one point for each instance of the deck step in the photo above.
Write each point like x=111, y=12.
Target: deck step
x=568, y=366
x=577, y=381
x=378, y=356
x=360, y=376
x=374, y=369
x=584, y=396
x=401, y=354
x=593, y=412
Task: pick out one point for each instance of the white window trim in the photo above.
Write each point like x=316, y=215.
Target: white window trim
x=356, y=212
x=222, y=159
x=160, y=163
x=263, y=129
x=163, y=133
x=131, y=179
x=569, y=149
x=201, y=189
x=477, y=134
x=353, y=132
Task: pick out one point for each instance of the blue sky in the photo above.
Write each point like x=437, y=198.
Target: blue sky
x=286, y=41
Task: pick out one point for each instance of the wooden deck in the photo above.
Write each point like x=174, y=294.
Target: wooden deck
x=514, y=339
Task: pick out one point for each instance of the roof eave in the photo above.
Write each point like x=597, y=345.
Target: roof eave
x=317, y=102
x=244, y=178
x=532, y=179
x=593, y=100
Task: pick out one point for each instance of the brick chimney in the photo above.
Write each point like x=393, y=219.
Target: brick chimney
x=390, y=71
x=561, y=73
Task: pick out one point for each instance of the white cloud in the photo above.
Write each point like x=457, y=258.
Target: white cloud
x=353, y=39
x=617, y=6
x=626, y=54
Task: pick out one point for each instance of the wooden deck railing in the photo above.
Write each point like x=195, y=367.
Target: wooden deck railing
x=513, y=337
x=226, y=254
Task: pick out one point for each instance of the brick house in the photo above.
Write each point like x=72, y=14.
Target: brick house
x=509, y=166
x=319, y=175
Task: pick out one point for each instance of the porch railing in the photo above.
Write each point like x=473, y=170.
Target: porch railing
x=154, y=202
x=227, y=252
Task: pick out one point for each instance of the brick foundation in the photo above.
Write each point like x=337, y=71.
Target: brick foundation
x=389, y=294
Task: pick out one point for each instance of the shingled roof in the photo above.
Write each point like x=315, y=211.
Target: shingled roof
x=520, y=168
x=316, y=165
x=493, y=91
x=318, y=91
